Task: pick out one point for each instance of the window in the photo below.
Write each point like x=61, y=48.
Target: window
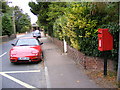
x=27, y=42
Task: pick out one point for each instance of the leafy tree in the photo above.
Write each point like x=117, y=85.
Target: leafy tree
x=22, y=22
x=78, y=23
x=56, y=9
x=4, y=7
x=34, y=8
x=7, y=28
x=40, y=9
x=24, y=29
x=6, y=19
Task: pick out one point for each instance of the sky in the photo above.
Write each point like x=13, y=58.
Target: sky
x=23, y=4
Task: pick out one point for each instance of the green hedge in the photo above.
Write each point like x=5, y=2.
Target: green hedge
x=114, y=30
x=79, y=27
x=90, y=44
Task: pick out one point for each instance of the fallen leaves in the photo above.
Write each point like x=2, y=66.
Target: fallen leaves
x=106, y=82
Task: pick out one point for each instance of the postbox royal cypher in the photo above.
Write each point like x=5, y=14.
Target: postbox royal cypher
x=105, y=40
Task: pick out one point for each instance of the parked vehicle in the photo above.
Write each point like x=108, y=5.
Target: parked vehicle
x=37, y=34
x=26, y=49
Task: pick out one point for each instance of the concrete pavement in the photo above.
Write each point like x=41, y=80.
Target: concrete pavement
x=62, y=72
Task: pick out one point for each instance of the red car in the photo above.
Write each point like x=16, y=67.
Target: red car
x=27, y=49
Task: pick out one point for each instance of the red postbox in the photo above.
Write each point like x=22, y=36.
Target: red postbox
x=105, y=40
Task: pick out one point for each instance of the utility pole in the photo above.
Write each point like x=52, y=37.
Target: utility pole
x=14, y=29
x=13, y=20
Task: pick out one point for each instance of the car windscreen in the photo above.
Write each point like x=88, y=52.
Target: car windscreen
x=27, y=42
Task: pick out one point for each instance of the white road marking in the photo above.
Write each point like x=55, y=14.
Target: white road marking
x=17, y=81
x=21, y=71
x=3, y=54
x=47, y=77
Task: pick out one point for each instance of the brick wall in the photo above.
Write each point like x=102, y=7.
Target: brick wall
x=89, y=63
x=57, y=42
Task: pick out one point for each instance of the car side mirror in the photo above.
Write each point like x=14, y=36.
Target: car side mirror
x=41, y=43
x=13, y=44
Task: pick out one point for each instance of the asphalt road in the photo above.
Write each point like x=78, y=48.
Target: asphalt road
x=57, y=70
x=27, y=75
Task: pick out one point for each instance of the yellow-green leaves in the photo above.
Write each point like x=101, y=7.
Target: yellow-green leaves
x=78, y=23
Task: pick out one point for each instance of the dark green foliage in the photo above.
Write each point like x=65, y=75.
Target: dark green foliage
x=8, y=15
x=34, y=8
x=78, y=23
x=41, y=9
x=5, y=7
x=23, y=21
x=114, y=29
x=90, y=44
x=7, y=28
x=6, y=19
x=24, y=29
